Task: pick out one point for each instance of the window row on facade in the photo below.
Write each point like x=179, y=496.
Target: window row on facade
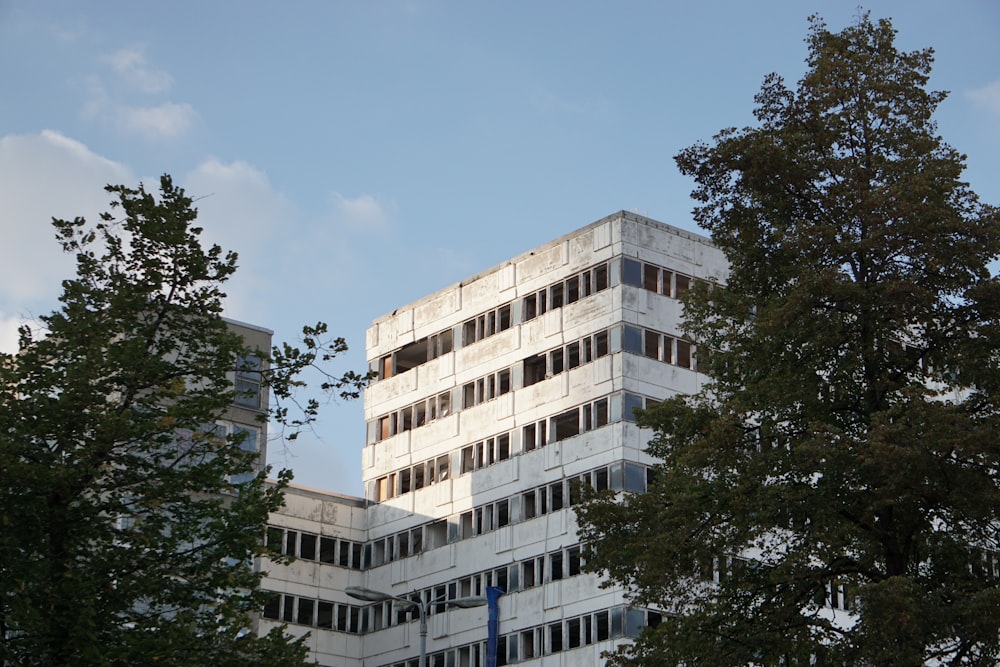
x=350, y=618
x=565, y=292
x=548, y=639
x=494, y=321
x=534, y=369
x=523, y=506
x=655, y=278
x=578, y=419
x=316, y=613
x=309, y=546
x=660, y=346
x=564, y=358
x=570, y=290
x=553, y=566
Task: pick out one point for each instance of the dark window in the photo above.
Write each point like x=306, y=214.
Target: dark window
x=630, y=404
x=601, y=344
x=528, y=572
x=324, y=616
x=528, y=437
x=557, y=495
x=555, y=566
x=573, y=554
x=683, y=354
x=574, y=636
x=529, y=308
x=305, y=614
x=650, y=277
x=573, y=355
x=534, y=369
x=665, y=285
x=602, y=622
x=307, y=547
x=601, y=277
x=652, y=344
x=573, y=289
x=272, y=607
x=631, y=272
x=503, y=382
x=345, y=554
x=632, y=339
x=503, y=513
x=528, y=506
x=469, y=332
x=557, y=296
x=601, y=479
x=567, y=424
x=403, y=544
x=503, y=447
x=327, y=550
x=528, y=643
x=601, y=413
x=504, y=318
x=683, y=284
x=555, y=637
x=557, y=361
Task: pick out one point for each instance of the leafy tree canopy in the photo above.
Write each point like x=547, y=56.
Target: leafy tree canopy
x=833, y=495
x=129, y=521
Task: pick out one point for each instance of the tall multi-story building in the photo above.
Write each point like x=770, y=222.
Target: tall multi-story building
x=494, y=398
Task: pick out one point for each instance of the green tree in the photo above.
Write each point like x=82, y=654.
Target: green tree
x=129, y=525
x=839, y=477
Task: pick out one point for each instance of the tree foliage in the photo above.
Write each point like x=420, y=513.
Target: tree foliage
x=129, y=522
x=833, y=495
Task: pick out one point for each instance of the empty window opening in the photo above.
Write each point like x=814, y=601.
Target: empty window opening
x=652, y=344
x=573, y=290
x=682, y=285
x=666, y=285
x=683, y=353
x=307, y=547
x=573, y=355
x=556, y=298
x=650, y=277
x=566, y=425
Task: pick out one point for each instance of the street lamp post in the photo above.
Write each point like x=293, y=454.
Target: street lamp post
x=422, y=607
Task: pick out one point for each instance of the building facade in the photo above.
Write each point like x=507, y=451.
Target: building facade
x=495, y=398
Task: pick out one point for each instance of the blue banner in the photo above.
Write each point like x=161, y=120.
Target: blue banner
x=493, y=594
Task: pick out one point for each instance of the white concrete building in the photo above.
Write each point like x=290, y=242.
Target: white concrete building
x=493, y=396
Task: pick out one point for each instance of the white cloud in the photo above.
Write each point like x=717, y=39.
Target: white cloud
x=44, y=176
x=361, y=214
x=166, y=121
x=131, y=66
x=162, y=121
x=240, y=210
x=987, y=97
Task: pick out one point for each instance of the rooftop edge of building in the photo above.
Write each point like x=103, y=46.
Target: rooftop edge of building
x=621, y=214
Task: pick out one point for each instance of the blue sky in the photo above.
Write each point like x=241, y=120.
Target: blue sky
x=361, y=155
